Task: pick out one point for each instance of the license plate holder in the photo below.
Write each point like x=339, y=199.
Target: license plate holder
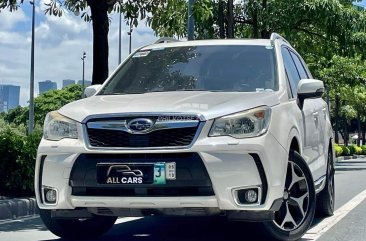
x=132, y=173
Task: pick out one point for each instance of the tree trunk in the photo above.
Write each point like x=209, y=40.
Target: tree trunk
x=336, y=139
x=255, y=24
x=99, y=12
x=358, y=129
x=264, y=32
x=230, y=19
x=363, y=133
x=346, y=135
x=221, y=19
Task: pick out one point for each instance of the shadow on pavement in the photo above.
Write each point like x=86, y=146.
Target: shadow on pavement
x=182, y=229
x=23, y=225
x=166, y=229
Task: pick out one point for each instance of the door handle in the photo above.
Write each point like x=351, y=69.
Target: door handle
x=316, y=115
x=325, y=112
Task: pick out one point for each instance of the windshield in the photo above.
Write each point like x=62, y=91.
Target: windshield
x=243, y=68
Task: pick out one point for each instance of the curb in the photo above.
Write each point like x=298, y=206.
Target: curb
x=18, y=207
x=343, y=158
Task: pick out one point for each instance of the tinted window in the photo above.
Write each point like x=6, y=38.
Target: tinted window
x=291, y=71
x=299, y=66
x=211, y=68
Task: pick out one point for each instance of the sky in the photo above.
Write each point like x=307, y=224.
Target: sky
x=59, y=45
x=361, y=3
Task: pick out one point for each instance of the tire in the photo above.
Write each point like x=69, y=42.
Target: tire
x=325, y=199
x=77, y=229
x=297, y=211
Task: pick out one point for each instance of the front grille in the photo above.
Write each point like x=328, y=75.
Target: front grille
x=159, y=138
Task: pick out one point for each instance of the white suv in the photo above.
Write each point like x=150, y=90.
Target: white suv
x=217, y=127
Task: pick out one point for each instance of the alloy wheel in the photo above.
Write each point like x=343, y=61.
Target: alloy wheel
x=295, y=204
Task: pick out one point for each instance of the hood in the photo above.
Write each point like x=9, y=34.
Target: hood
x=208, y=104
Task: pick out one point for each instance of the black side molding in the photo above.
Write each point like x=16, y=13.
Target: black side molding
x=262, y=175
x=40, y=174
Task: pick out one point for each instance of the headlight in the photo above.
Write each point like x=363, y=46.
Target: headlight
x=245, y=124
x=57, y=127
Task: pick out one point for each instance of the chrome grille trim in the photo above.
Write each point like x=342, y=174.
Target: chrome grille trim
x=139, y=114
x=121, y=125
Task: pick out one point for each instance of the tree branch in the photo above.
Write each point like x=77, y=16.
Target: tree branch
x=310, y=32
x=243, y=20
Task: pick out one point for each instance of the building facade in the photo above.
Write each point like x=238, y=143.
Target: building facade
x=86, y=82
x=67, y=82
x=9, y=97
x=46, y=86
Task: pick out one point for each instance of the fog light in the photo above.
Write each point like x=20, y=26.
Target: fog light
x=251, y=196
x=247, y=196
x=50, y=195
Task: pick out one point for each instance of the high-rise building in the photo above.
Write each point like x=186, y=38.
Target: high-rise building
x=86, y=82
x=67, y=82
x=9, y=97
x=46, y=86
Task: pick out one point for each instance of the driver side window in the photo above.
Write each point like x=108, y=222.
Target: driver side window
x=291, y=71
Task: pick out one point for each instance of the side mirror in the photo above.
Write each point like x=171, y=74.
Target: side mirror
x=91, y=90
x=309, y=88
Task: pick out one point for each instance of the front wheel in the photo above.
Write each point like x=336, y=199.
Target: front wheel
x=297, y=211
x=77, y=228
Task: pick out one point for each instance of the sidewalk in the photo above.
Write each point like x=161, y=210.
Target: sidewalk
x=344, y=158
x=353, y=164
x=17, y=207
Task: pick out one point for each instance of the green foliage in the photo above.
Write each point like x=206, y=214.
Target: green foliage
x=352, y=149
x=17, y=160
x=346, y=151
x=18, y=150
x=44, y=103
x=363, y=149
x=338, y=150
x=10, y=147
x=20, y=180
x=343, y=72
x=54, y=100
x=170, y=18
x=17, y=116
x=358, y=150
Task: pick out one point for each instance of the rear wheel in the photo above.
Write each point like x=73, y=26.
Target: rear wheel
x=77, y=228
x=325, y=199
x=296, y=214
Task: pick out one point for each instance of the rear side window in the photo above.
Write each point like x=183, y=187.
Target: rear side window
x=291, y=71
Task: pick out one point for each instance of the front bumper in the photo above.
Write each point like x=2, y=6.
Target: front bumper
x=230, y=163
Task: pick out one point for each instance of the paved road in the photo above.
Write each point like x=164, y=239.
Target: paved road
x=348, y=224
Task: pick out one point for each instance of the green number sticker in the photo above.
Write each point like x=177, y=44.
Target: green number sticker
x=159, y=173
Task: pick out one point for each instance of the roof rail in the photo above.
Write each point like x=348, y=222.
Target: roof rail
x=166, y=40
x=275, y=36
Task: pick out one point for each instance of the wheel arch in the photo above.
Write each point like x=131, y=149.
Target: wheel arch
x=294, y=141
